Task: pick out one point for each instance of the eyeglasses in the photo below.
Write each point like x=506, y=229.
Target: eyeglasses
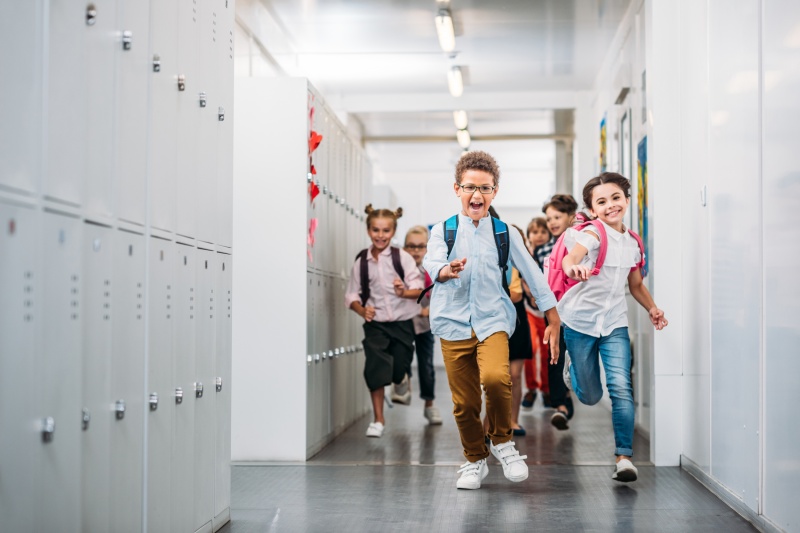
x=485, y=189
x=416, y=246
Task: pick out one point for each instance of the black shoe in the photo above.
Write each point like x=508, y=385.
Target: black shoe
x=519, y=432
x=559, y=420
x=528, y=399
x=546, y=399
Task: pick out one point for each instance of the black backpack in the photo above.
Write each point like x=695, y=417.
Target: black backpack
x=398, y=267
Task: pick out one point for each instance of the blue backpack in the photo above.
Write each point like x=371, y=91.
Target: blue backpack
x=500, y=238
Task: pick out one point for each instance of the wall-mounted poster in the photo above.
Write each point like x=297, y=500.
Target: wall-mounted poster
x=642, y=201
x=603, y=145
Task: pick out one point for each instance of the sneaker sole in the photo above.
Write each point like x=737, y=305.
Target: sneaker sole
x=476, y=487
x=560, y=422
x=625, y=476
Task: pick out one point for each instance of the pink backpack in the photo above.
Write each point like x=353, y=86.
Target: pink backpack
x=558, y=280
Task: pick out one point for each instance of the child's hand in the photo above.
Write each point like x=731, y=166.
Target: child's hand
x=451, y=271
x=658, y=319
x=399, y=287
x=369, y=313
x=425, y=312
x=578, y=272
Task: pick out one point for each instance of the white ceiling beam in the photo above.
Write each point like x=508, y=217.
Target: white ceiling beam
x=490, y=101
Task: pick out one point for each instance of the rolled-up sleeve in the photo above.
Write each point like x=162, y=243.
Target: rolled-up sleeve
x=530, y=272
x=436, y=256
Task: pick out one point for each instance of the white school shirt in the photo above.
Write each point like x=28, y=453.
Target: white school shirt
x=597, y=306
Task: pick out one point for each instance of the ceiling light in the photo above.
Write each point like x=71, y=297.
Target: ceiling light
x=445, y=31
x=460, y=119
x=463, y=138
x=455, y=82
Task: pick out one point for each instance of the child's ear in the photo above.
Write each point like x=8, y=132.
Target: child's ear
x=456, y=188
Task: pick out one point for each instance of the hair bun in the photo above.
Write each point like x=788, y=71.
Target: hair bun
x=368, y=209
x=399, y=212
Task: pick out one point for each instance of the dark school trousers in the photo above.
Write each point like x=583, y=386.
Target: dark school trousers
x=389, y=348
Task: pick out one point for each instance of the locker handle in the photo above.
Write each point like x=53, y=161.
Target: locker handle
x=91, y=15
x=203, y=97
x=85, y=419
x=178, y=395
x=156, y=63
x=153, y=401
x=336, y=352
x=127, y=39
x=316, y=358
x=218, y=383
x=309, y=358
x=119, y=409
x=48, y=429
x=221, y=114
x=198, y=390
x=181, y=82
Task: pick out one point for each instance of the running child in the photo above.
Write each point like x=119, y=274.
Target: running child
x=595, y=314
x=384, y=284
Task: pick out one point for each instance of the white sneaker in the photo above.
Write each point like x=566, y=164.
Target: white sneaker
x=472, y=474
x=514, y=467
x=567, y=365
x=401, y=392
x=625, y=471
x=375, y=430
x=433, y=416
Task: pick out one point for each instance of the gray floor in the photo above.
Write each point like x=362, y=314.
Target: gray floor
x=405, y=481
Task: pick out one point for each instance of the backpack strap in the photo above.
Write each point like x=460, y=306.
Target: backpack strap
x=398, y=265
x=500, y=229
x=640, y=265
x=601, y=253
x=450, y=229
x=362, y=255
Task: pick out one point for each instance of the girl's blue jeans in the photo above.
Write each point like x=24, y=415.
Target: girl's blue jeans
x=614, y=350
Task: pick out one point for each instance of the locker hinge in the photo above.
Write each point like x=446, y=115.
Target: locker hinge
x=153, y=401
x=48, y=429
x=119, y=409
x=85, y=419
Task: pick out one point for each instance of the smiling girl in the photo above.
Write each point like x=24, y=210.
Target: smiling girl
x=594, y=312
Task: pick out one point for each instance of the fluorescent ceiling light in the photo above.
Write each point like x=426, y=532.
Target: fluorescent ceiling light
x=460, y=119
x=445, y=31
x=455, y=82
x=463, y=138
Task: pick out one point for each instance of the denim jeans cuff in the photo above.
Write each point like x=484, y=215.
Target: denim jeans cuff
x=624, y=451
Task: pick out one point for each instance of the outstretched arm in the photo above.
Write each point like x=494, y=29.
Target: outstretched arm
x=572, y=261
x=642, y=295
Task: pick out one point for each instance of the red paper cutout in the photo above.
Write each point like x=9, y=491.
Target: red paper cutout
x=312, y=228
x=313, y=141
x=313, y=190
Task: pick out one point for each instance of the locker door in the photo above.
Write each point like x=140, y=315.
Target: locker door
x=20, y=314
x=127, y=381
x=102, y=48
x=59, y=376
x=205, y=401
x=21, y=53
x=183, y=372
x=226, y=21
x=206, y=182
x=133, y=67
x=222, y=477
x=188, y=119
x=66, y=103
x=96, y=368
x=163, y=132
x=161, y=308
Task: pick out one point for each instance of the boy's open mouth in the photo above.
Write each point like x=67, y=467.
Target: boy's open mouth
x=476, y=206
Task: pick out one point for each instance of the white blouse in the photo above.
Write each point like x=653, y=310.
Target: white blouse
x=597, y=306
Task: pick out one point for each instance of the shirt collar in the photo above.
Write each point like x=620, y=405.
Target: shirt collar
x=612, y=233
x=386, y=251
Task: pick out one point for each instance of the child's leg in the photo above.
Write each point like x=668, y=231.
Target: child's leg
x=464, y=377
x=585, y=369
x=558, y=390
x=377, y=404
x=516, y=367
x=401, y=348
x=530, y=364
x=615, y=351
x=544, y=355
x=427, y=374
x=492, y=358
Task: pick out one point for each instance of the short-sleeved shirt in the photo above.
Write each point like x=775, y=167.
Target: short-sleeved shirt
x=597, y=306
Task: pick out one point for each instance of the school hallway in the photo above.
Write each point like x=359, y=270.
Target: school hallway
x=406, y=481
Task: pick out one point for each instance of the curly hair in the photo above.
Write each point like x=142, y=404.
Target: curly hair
x=373, y=213
x=477, y=160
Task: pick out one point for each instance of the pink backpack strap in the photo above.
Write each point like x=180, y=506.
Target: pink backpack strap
x=601, y=253
x=638, y=240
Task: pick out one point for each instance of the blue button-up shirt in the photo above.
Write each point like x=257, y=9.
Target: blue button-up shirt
x=476, y=300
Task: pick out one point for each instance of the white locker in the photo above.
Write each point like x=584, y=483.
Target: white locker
x=188, y=118
x=102, y=48
x=222, y=385
x=127, y=381
x=58, y=504
x=161, y=411
x=132, y=83
x=21, y=56
x=183, y=372
x=20, y=314
x=163, y=130
x=98, y=247
x=66, y=102
x=224, y=112
x=205, y=394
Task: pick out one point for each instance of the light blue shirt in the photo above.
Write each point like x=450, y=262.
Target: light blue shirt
x=476, y=300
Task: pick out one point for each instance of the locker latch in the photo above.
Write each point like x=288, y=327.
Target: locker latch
x=119, y=409
x=127, y=39
x=178, y=395
x=48, y=429
x=202, y=99
x=221, y=114
x=91, y=15
x=324, y=189
x=85, y=419
x=309, y=358
x=182, y=82
x=198, y=390
x=218, y=383
x=153, y=401
x=316, y=358
x=156, y=63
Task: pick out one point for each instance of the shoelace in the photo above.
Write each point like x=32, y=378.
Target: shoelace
x=472, y=469
x=508, y=453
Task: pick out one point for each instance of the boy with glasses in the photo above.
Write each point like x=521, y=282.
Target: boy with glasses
x=473, y=316
x=416, y=245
